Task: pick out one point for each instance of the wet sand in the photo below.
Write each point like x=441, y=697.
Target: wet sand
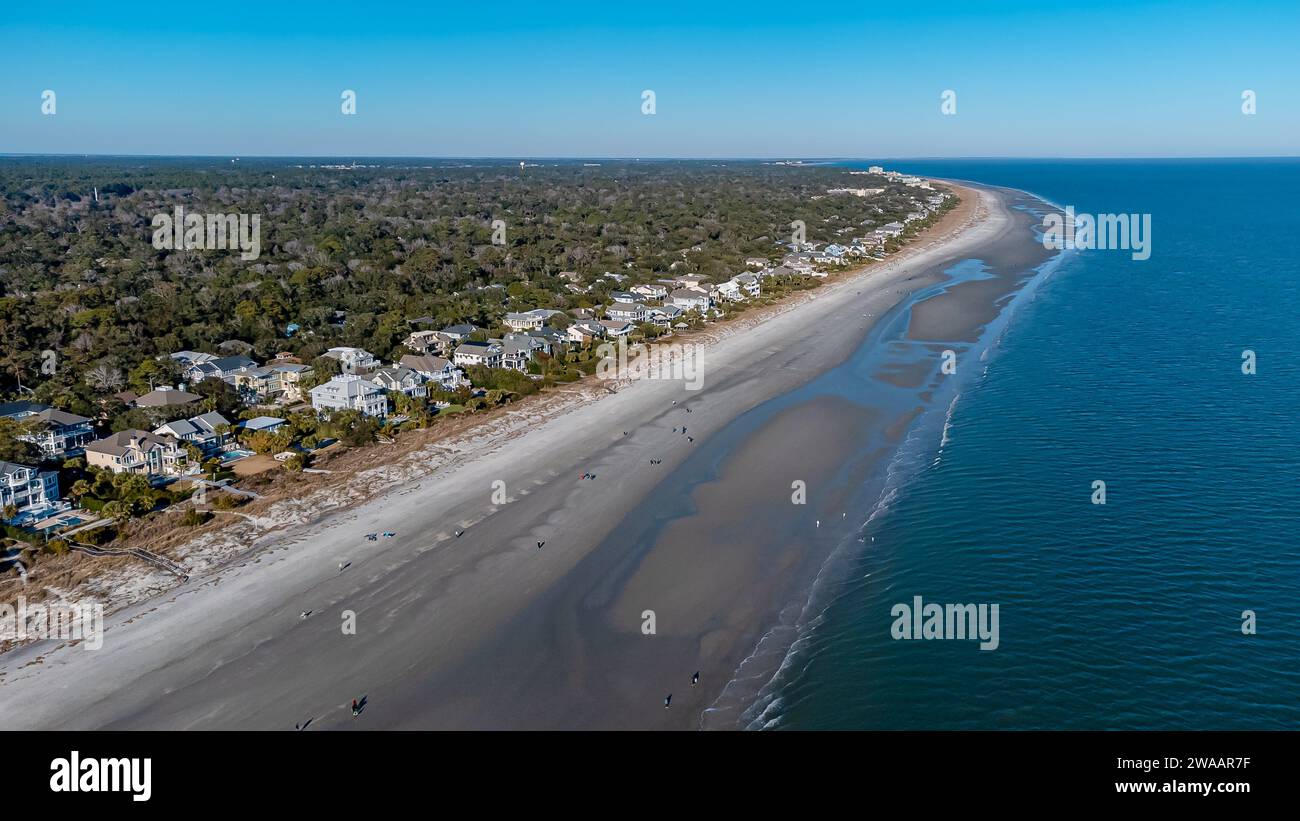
x=486, y=630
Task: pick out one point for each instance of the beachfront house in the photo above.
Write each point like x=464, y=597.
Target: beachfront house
x=517, y=350
x=663, y=315
x=478, y=353
x=750, y=286
x=138, y=451
x=441, y=372
x=689, y=300
x=206, y=431
x=615, y=328
x=350, y=392
x=729, y=290
x=28, y=493
x=263, y=424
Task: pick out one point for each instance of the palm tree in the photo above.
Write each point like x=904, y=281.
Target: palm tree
x=79, y=488
x=117, y=511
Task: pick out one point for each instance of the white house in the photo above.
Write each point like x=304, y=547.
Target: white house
x=749, y=284
x=729, y=290
x=616, y=327
x=478, y=353
x=33, y=493
x=527, y=321
x=650, y=291
x=689, y=300
x=266, y=424
x=626, y=311
x=585, y=331
x=350, y=392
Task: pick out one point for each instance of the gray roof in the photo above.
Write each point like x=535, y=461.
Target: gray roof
x=159, y=398
x=116, y=444
x=263, y=422
x=9, y=468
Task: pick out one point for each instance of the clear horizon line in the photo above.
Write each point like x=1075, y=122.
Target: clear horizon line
x=679, y=158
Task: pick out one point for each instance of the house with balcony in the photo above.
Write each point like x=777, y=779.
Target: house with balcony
x=750, y=285
x=400, y=380
x=207, y=432
x=57, y=433
x=626, y=311
x=478, y=353
x=278, y=382
x=584, y=331
x=664, y=315
x=32, y=493
x=689, y=299
x=138, y=451
x=350, y=392
x=650, y=291
x=526, y=321
x=434, y=369
x=518, y=350
x=425, y=342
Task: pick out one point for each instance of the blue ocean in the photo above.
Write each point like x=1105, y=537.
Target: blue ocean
x=1123, y=615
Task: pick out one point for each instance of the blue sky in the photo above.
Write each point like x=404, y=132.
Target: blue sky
x=731, y=80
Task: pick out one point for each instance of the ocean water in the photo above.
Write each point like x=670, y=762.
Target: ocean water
x=1126, y=615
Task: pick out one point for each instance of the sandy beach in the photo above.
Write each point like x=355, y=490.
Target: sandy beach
x=485, y=629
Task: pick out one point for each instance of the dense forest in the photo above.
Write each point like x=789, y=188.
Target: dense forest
x=351, y=253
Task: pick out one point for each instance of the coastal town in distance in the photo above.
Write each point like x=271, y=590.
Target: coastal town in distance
x=374, y=378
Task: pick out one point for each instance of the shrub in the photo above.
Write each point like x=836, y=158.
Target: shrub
x=194, y=518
